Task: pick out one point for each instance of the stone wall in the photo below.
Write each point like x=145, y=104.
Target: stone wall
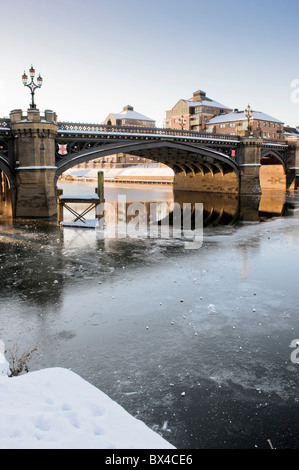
x=217, y=183
x=272, y=177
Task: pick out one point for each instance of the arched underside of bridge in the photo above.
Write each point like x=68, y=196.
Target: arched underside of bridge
x=7, y=182
x=272, y=171
x=8, y=172
x=195, y=168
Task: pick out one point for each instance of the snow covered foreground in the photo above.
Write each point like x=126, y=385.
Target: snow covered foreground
x=57, y=409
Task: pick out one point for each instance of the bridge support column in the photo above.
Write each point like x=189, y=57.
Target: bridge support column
x=292, y=163
x=35, y=163
x=249, y=160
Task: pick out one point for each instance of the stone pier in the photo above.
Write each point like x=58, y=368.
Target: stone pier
x=34, y=151
x=292, y=172
x=249, y=160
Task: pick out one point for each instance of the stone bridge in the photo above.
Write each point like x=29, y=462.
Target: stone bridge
x=36, y=149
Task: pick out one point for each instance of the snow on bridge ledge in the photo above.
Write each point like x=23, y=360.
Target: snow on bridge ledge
x=57, y=409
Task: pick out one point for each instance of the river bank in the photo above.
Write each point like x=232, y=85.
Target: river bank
x=123, y=176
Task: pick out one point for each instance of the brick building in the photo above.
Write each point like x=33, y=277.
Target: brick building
x=127, y=117
x=236, y=123
x=192, y=114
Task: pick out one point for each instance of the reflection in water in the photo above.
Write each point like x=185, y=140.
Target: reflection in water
x=273, y=206
x=29, y=248
x=226, y=209
x=5, y=205
x=218, y=209
x=153, y=207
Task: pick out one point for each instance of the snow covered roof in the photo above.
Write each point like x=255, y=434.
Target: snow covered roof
x=291, y=131
x=240, y=116
x=129, y=113
x=208, y=103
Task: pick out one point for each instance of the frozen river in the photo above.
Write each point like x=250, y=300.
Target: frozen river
x=196, y=343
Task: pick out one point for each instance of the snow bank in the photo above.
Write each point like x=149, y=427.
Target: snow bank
x=55, y=408
x=138, y=171
x=116, y=172
x=4, y=366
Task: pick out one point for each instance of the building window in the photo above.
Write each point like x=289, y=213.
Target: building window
x=222, y=126
x=232, y=124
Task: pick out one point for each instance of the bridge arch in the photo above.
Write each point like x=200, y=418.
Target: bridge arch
x=272, y=155
x=183, y=158
x=8, y=171
x=272, y=171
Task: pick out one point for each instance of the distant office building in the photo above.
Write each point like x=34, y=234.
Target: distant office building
x=236, y=123
x=129, y=117
x=193, y=114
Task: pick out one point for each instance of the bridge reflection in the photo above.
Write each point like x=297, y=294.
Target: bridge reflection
x=218, y=209
x=5, y=203
x=41, y=259
x=224, y=209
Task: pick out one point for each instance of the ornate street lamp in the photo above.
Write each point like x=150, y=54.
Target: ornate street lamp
x=32, y=86
x=248, y=114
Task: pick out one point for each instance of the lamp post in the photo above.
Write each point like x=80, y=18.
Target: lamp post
x=32, y=86
x=248, y=114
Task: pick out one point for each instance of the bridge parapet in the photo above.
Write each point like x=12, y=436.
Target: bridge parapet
x=4, y=124
x=85, y=128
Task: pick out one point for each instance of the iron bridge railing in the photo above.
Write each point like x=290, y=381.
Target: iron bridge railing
x=81, y=127
x=275, y=142
x=4, y=123
x=98, y=128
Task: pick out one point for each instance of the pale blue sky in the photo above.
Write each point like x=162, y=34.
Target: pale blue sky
x=96, y=57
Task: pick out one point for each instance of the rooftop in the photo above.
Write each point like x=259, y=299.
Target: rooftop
x=129, y=113
x=207, y=102
x=240, y=116
x=291, y=130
